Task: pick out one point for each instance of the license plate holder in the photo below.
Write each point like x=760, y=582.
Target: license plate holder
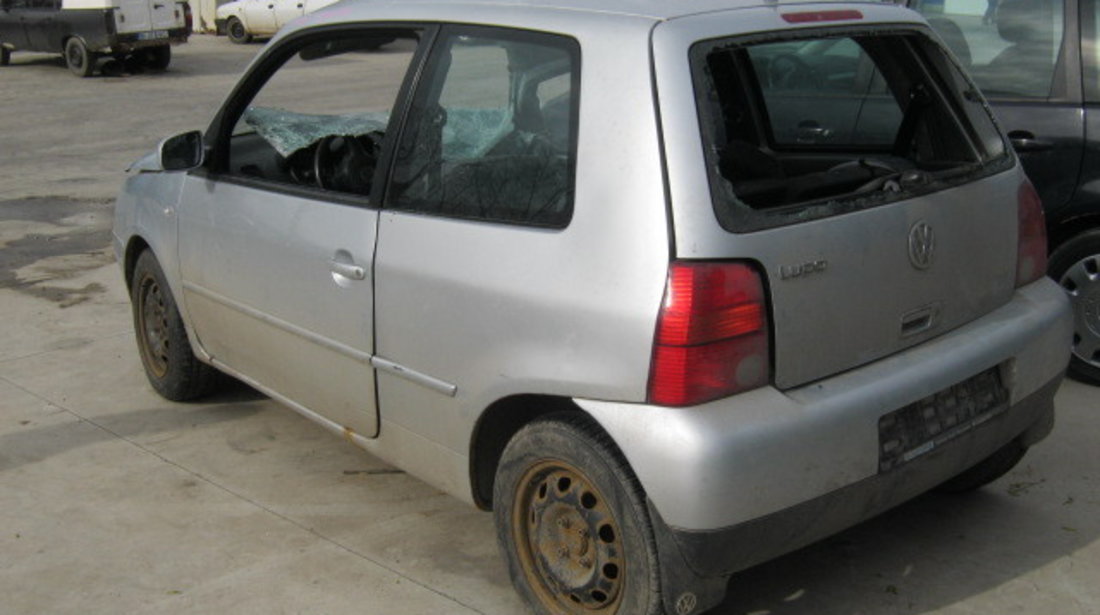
x=923, y=426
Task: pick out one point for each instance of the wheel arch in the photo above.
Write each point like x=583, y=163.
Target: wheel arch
x=1067, y=229
x=495, y=428
x=65, y=41
x=134, y=247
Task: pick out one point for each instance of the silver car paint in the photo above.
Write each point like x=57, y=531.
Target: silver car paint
x=500, y=310
x=619, y=179
x=719, y=464
x=266, y=286
x=853, y=311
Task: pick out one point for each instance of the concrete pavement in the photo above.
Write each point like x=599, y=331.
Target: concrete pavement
x=113, y=500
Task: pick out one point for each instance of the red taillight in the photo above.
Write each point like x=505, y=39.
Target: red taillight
x=822, y=16
x=712, y=334
x=1031, y=255
x=188, y=18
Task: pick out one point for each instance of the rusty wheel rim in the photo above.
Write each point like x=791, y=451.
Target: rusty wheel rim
x=153, y=328
x=568, y=540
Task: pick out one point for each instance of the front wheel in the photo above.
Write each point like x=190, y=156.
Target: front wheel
x=236, y=31
x=572, y=523
x=80, y=61
x=1076, y=266
x=170, y=364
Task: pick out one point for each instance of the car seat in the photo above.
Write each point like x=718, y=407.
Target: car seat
x=1026, y=66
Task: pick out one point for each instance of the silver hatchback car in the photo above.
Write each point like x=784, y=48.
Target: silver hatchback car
x=671, y=287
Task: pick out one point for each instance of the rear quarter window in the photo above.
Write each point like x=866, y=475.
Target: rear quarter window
x=826, y=123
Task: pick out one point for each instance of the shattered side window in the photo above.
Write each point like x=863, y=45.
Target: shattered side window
x=825, y=124
x=320, y=119
x=491, y=132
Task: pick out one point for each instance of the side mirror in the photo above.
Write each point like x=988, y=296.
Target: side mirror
x=181, y=152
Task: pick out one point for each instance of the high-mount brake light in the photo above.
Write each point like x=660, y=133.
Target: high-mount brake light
x=1031, y=254
x=822, y=16
x=712, y=334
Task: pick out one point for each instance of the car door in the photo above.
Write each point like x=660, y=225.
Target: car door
x=1024, y=56
x=12, y=17
x=40, y=24
x=286, y=11
x=135, y=15
x=259, y=16
x=277, y=234
x=1086, y=202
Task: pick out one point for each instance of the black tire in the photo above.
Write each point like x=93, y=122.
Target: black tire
x=5, y=55
x=987, y=470
x=170, y=364
x=572, y=522
x=80, y=61
x=158, y=58
x=236, y=31
x=1076, y=266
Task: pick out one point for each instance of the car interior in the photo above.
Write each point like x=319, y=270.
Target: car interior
x=830, y=119
x=510, y=164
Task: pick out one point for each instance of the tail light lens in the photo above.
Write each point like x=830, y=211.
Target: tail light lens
x=712, y=334
x=1031, y=255
x=188, y=18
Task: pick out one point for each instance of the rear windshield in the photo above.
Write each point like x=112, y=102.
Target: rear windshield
x=797, y=129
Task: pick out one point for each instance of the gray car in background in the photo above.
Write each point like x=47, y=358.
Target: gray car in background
x=672, y=288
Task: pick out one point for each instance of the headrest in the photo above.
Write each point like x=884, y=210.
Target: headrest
x=1024, y=21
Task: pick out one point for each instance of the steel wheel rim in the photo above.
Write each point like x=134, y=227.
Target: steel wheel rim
x=1082, y=281
x=569, y=542
x=153, y=327
x=236, y=29
x=76, y=56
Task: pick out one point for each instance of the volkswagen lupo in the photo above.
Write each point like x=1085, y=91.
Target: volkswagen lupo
x=671, y=287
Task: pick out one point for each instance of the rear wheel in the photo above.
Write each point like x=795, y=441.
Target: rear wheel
x=1076, y=266
x=236, y=31
x=170, y=364
x=572, y=523
x=5, y=55
x=158, y=58
x=80, y=61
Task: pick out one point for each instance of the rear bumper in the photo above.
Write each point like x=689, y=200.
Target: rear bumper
x=699, y=563
x=741, y=480
x=727, y=550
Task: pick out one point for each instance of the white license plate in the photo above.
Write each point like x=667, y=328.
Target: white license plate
x=151, y=36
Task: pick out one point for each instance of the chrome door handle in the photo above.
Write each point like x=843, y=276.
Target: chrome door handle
x=348, y=270
x=1024, y=141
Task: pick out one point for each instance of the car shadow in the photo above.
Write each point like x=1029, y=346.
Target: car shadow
x=29, y=445
x=924, y=555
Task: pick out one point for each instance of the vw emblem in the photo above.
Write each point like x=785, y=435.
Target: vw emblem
x=922, y=245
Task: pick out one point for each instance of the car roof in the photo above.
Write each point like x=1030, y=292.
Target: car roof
x=593, y=18
x=661, y=10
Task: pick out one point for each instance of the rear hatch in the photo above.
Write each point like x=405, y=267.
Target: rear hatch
x=859, y=171
x=148, y=16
